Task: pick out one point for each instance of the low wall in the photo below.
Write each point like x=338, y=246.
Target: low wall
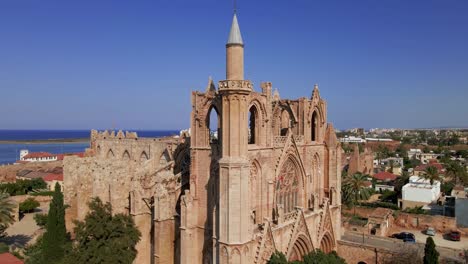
x=418, y=221
x=354, y=253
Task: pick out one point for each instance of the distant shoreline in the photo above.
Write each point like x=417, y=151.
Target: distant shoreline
x=46, y=141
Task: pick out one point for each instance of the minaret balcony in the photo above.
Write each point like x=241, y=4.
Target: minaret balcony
x=235, y=85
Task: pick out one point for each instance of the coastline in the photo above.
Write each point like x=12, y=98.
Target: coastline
x=46, y=141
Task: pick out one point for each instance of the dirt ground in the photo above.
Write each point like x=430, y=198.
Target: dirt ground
x=24, y=231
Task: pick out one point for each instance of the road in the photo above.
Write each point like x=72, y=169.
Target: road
x=396, y=244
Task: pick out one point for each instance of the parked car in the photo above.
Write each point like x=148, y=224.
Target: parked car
x=405, y=236
x=430, y=231
x=455, y=235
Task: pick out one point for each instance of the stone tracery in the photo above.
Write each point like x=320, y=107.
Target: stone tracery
x=287, y=186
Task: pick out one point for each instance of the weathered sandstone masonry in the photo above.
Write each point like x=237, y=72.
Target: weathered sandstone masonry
x=267, y=178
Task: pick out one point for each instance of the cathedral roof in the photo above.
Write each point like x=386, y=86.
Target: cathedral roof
x=235, y=34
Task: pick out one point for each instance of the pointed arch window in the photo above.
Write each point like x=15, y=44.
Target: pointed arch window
x=110, y=154
x=213, y=125
x=285, y=123
x=287, y=186
x=253, y=126
x=126, y=155
x=144, y=156
x=314, y=126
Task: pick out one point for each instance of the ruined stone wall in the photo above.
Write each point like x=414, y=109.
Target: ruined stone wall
x=361, y=162
x=354, y=252
x=138, y=177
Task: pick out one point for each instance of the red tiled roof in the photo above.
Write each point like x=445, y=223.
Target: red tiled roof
x=368, y=184
x=34, y=155
x=385, y=176
x=7, y=258
x=53, y=177
x=423, y=167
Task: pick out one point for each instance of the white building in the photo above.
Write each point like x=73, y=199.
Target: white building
x=37, y=156
x=426, y=157
x=352, y=139
x=419, y=192
x=414, y=153
x=379, y=139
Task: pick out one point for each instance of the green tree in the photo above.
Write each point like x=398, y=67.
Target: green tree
x=277, y=258
x=354, y=188
x=456, y=172
x=33, y=252
x=104, y=238
x=28, y=205
x=6, y=211
x=431, y=256
x=41, y=219
x=400, y=181
x=55, y=237
x=319, y=257
x=431, y=173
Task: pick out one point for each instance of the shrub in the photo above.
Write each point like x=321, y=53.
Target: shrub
x=42, y=193
x=4, y=247
x=41, y=219
x=415, y=210
x=28, y=205
x=21, y=187
x=380, y=204
x=358, y=221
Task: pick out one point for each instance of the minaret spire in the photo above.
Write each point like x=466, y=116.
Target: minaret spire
x=235, y=36
x=235, y=52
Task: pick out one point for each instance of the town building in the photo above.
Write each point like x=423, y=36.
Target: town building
x=419, y=192
x=461, y=212
x=414, y=154
x=53, y=178
x=269, y=181
x=421, y=169
x=8, y=258
x=37, y=156
x=426, y=158
x=352, y=139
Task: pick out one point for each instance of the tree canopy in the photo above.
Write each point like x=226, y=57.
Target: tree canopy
x=314, y=257
x=104, y=238
x=431, y=256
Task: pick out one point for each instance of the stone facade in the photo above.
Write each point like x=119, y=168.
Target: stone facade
x=361, y=162
x=268, y=178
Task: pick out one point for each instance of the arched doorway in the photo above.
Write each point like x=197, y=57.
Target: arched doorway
x=301, y=247
x=327, y=244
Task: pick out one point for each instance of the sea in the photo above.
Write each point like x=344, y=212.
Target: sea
x=9, y=152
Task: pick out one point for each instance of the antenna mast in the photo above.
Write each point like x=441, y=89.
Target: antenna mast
x=235, y=6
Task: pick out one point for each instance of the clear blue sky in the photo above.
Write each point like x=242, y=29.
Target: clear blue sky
x=132, y=64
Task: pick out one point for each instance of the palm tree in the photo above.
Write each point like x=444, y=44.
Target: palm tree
x=456, y=172
x=431, y=173
x=6, y=210
x=354, y=189
x=400, y=181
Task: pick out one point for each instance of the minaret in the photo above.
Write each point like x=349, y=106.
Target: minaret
x=235, y=222
x=235, y=53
